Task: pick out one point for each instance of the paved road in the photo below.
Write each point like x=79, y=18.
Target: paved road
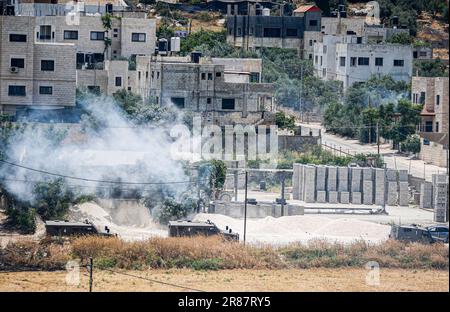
x=415, y=167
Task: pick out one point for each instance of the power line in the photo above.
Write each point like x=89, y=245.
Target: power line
x=90, y=180
x=154, y=281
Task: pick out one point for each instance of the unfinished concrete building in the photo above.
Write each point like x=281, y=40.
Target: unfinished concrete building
x=256, y=28
x=225, y=91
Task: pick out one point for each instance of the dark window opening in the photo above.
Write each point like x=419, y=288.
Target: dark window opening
x=378, y=61
x=208, y=101
x=313, y=23
x=70, y=35
x=17, y=38
x=203, y=76
x=178, y=102
x=291, y=32
x=353, y=61
x=272, y=32
x=16, y=91
x=118, y=81
x=45, y=32
x=422, y=98
x=438, y=99
x=437, y=126
x=47, y=65
x=227, y=103
x=363, y=61
x=428, y=126
x=342, y=61
x=399, y=63
x=45, y=90
x=358, y=40
x=18, y=62
x=210, y=76
x=94, y=89
x=97, y=35
x=218, y=74
x=138, y=37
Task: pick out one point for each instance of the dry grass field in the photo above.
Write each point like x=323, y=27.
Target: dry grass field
x=313, y=280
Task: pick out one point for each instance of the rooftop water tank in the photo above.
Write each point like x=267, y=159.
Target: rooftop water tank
x=266, y=12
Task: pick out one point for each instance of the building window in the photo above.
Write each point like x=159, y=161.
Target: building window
x=422, y=98
x=363, y=61
x=116, y=30
x=16, y=91
x=358, y=40
x=423, y=53
x=115, y=35
x=227, y=103
x=218, y=74
x=378, y=61
x=139, y=75
x=118, y=81
x=313, y=23
x=310, y=56
x=70, y=35
x=321, y=60
x=47, y=65
x=438, y=99
x=178, y=102
x=18, y=62
x=210, y=76
x=316, y=58
x=203, y=76
x=97, y=35
x=291, y=32
x=146, y=75
x=342, y=61
x=437, y=126
x=45, y=32
x=46, y=90
x=17, y=38
x=399, y=63
x=353, y=61
x=428, y=126
x=208, y=101
x=153, y=74
x=310, y=43
x=272, y=32
x=138, y=37
x=157, y=75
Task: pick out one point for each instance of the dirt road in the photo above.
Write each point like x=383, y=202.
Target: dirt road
x=233, y=280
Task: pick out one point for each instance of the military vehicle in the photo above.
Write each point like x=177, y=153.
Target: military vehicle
x=67, y=228
x=190, y=228
x=415, y=233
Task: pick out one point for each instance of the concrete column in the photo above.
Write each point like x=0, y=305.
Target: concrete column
x=403, y=193
x=343, y=179
x=295, y=181
x=379, y=186
x=310, y=184
x=426, y=195
x=367, y=186
x=392, y=193
x=321, y=172
x=441, y=201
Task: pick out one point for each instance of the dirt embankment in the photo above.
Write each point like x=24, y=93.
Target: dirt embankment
x=318, y=279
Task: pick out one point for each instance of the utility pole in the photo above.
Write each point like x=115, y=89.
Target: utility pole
x=91, y=267
x=245, y=206
x=301, y=93
x=283, y=176
x=378, y=137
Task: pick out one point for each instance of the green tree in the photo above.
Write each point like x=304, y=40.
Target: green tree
x=400, y=38
x=430, y=68
x=409, y=117
x=284, y=122
x=411, y=144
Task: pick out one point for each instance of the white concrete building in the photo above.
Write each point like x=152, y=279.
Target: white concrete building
x=34, y=74
x=350, y=59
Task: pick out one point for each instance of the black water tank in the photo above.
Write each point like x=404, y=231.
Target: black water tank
x=195, y=57
x=10, y=10
x=343, y=14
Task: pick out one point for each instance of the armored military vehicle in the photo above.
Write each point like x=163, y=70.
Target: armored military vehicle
x=415, y=233
x=67, y=228
x=190, y=228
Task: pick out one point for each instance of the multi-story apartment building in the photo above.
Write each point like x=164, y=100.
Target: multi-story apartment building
x=100, y=56
x=258, y=29
x=34, y=74
x=223, y=90
x=350, y=59
x=433, y=94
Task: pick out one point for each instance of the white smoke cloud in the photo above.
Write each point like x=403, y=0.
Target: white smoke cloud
x=118, y=151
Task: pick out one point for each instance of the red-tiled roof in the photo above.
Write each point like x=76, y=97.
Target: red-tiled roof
x=306, y=8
